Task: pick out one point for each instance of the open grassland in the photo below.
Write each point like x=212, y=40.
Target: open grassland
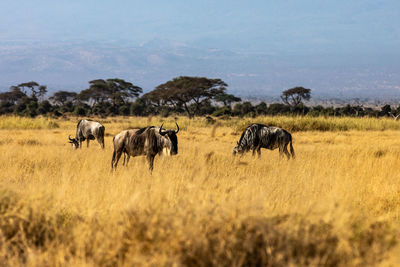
x=337, y=204
x=292, y=124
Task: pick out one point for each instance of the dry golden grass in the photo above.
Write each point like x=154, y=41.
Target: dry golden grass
x=337, y=204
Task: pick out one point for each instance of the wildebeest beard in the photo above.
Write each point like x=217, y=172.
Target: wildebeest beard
x=73, y=141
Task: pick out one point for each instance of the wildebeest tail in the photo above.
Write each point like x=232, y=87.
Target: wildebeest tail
x=102, y=129
x=291, y=149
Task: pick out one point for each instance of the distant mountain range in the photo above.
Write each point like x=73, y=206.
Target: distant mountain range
x=70, y=65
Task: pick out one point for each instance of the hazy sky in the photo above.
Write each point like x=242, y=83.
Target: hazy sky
x=301, y=26
x=365, y=31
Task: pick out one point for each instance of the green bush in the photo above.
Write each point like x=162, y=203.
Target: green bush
x=80, y=111
x=222, y=111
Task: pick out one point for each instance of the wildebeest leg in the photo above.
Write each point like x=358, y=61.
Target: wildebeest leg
x=126, y=159
x=87, y=142
x=116, y=158
x=292, y=150
x=257, y=148
x=285, y=150
x=80, y=143
x=150, y=159
x=280, y=151
x=113, y=159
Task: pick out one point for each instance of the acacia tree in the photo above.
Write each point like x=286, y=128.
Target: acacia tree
x=13, y=96
x=295, y=96
x=61, y=97
x=227, y=99
x=26, y=104
x=122, y=91
x=96, y=93
x=37, y=91
x=185, y=90
x=116, y=91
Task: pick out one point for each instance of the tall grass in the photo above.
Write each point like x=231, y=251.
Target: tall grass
x=299, y=123
x=17, y=122
x=305, y=123
x=337, y=204
x=294, y=124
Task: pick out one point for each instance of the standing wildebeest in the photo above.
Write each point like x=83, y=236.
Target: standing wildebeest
x=148, y=141
x=87, y=130
x=257, y=136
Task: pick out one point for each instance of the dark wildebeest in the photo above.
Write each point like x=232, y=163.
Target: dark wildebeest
x=148, y=141
x=87, y=130
x=257, y=136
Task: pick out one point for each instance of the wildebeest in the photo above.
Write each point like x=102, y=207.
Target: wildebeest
x=257, y=136
x=88, y=130
x=148, y=141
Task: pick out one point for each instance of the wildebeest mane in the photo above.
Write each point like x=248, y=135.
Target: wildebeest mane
x=141, y=130
x=81, y=121
x=241, y=137
x=78, y=123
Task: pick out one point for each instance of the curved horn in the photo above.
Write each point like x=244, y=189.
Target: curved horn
x=160, y=131
x=177, y=127
x=70, y=139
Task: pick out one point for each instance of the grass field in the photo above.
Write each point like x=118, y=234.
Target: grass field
x=337, y=204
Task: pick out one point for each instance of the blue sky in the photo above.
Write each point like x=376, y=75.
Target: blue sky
x=355, y=33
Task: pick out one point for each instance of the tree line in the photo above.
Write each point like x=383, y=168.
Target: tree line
x=184, y=95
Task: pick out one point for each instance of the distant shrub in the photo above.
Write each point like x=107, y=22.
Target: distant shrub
x=79, y=111
x=124, y=110
x=222, y=111
x=29, y=142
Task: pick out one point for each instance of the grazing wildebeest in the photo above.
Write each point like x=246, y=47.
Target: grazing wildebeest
x=87, y=130
x=148, y=141
x=257, y=136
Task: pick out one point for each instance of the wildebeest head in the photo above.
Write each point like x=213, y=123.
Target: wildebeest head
x=238, y=149
x=171, y=135
x=74, y=142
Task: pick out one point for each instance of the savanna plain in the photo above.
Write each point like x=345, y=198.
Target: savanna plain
x=336, y=204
